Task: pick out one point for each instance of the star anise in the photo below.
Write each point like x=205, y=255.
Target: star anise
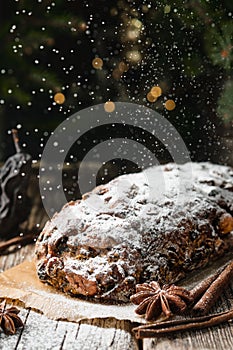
x=9, y=319
x=153, y=300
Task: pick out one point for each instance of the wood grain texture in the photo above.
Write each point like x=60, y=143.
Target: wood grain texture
x=214, y=338
x=217, y=338
x=45, y=334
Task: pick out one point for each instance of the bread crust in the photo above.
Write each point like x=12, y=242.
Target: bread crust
x=117, y=235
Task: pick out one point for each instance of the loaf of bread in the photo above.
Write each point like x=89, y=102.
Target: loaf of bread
x=123, y=233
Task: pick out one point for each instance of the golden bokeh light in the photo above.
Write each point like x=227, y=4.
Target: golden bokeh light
x=97, y=63
x=134, y=56
x=133, y=34
x=136, y=23
x=167, y=9
x=150, y=97
x=170, y=105
x=109, y=106
x=59, y=98
x=156, y=91
x=123, y=67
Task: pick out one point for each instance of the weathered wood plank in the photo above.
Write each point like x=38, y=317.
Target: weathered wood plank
x=101, y=334
x=10, y=260
x=216, y=338
x=42, y=333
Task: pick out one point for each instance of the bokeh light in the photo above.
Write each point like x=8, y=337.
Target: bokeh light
x=167, y=9
x=150, y=97
x=59, y=98
x=123, y=67
x=170, y=105
x=97, y=63
x=156, y=91
x=109, y=106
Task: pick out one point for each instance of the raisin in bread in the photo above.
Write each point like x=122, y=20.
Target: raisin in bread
x=124, y=233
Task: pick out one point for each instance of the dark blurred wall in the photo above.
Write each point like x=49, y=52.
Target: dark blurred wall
x=48, y=49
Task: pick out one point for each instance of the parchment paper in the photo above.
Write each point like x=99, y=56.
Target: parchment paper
x=21, y=284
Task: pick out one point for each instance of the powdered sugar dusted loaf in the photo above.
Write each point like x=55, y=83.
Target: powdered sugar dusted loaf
x=131, y=230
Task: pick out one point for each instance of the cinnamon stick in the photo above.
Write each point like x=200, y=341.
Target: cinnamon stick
x=17, y=241
x=201, y=287
x=164, y=328
x=214, y=291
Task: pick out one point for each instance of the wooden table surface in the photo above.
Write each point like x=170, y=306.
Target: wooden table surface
x=42, y=333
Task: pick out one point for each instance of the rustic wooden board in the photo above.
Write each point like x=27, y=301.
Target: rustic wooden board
x=42, y=333
x=214, y=338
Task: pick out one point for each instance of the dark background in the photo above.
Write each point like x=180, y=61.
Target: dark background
x=185, y=47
